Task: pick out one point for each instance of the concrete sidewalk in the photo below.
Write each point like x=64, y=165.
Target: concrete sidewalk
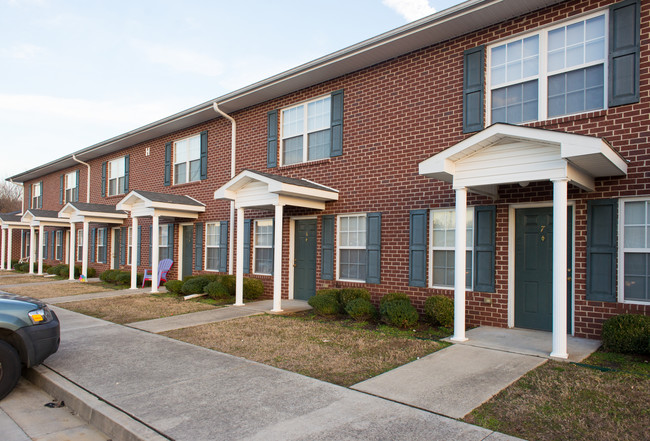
x=186, y=392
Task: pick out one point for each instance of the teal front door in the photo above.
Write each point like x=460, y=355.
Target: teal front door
x=304, y=269
x=188, y=232
x=534, y=268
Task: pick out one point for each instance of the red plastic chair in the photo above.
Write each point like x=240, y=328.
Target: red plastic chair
x=163, y=268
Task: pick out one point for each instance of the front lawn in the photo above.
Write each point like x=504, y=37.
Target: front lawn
x=51, y=290
x=574, y=402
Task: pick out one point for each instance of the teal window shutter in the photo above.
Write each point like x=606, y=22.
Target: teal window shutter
x=150, y=244
x=223, y=246
x=198, y=246
x=75, y=192
x=40, y=200
x=93, y=232
x=624, y=52
x=127, y=166
x=247, y=246
x=473, y=89
x=46, y=238
x=168, y=164
x=602, y=220
x=170, y=243
x=272, y=139
x=336, y=116
x=139, y=245
x=29, y=197
x=373, y=247
x=124, y=231
x=104, y=165
x=62, y=182
x=327, y=248
x=204, y=155
x=418, y=248
x=484, y=248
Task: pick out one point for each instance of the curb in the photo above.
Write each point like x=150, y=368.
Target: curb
x=100, y=414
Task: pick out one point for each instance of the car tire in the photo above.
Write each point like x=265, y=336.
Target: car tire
x=9, y=368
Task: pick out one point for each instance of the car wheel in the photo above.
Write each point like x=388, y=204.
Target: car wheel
x=9, y=368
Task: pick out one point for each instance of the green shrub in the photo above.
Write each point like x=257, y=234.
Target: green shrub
x=440, y=310
x=361, y=309
x=54, y=269
x=400, y=313
x=195, y=285
x=627, y=333
x=92, y=272
x=174, y=286
x=109, y=276
x=215, y=290
x=123, y=278
x=348, y=294
x=229, y=281
x=64, y=272
x=253, y=288
x=325, y=304
x=392, y=297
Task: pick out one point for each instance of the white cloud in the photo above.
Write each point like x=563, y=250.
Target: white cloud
x=410, y=9
x=21, y=51
x=180, y=59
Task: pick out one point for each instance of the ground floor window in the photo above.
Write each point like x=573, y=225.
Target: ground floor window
x=442, y=248
x=263, y=250
x=636, y=250
x=164, y=245
x=26, y=244
x=212, y=246
x=59, y=245
x=352, y=255
x=80, y=245
x=101, y=245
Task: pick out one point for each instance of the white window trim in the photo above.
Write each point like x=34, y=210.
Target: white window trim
x=97, y=245
x=542, y=90
x=468, y=247
x=187, y=163
x=255, y=247
x=119, y=190
x=205, y=250
x=621, y=250
x=305, y=133
x=338, y=246
x=79, y=244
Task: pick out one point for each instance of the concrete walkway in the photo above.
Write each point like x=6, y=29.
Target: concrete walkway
x=186, y=392
x=217, y=315
x=456, y=380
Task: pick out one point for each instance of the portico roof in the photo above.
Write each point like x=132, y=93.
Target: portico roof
x=36, y=217
x=148, y=203
x=81, y=211
x=504, y=153
x=252, y=188
x=11, y=220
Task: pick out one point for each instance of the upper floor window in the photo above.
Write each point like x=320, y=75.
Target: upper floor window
x=443, y=240
x=37, y=195
x=187, y=160
x=71, y=188
x=306, y=131
x=117, y=177
x=553, y=72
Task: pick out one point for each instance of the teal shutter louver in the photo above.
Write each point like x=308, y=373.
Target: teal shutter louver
x=62, y=184
x=168, y=164
x=484, y=248
x=473, y=89
x=127, y=166
x=104, y=166
x=139, y=245
x=75, y=195
x=204, y=155
x=373, y=247
x=418, y=248
x=327, y=248
x=247, y=246
x=150, y=244
x=93, y=232
x=223, y=246
x=123, y=246
x=198, y=246
x=624, y=53
x=272, y=139
x=170, y=242
x=336, y=116
x=29, y=197
x=602, y=220
x=46, y=238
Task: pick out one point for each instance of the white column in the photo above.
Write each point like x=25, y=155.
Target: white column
x=231, y=238
x=135, y=246
x=460, y=265
x=10, y=234
x=155, y=253
x=71, y=255
x=277, y=261
x=239, y=277
x=84, y=258
x=559, y=269
x=2, y=252
x=40, y=249
x=32, y=245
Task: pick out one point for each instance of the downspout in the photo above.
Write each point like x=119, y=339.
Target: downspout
x=87, y=180
x=22, y=184
x=233, y=143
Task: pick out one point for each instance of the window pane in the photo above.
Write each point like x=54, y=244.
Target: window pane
x=212, y=259
x=212, y=235
x=121, y=185
x=194, y=148
x=292, y=150
x=510, y=102
x=635, y=237
x=263, y=260
x=318, y=114
x=353, y=264
x=292, y=122
x=180, y=151
x=595, y=28
x=636, y=276
x=112, y=187
x=195, y=170
x=319, y=145
x=576, y=91
x=180, y=173
x=635, y=213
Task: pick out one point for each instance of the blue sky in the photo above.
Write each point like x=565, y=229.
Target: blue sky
x=77, y=72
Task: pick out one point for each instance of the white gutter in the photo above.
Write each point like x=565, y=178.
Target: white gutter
x=87, y=180
x=233, y=144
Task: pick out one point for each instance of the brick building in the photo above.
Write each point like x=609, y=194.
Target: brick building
x=354, y=169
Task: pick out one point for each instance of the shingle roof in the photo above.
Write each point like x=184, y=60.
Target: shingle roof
x=97, y=208
x=168, y=198
x=45, y=213
x=292, y=181
x=10, y=217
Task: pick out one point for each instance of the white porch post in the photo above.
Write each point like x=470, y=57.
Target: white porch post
x=277, y=260
x=71, y=254
x=134, y=253
x=84, y=259
x=239, y=277
x=40, y=249
x=155, y=253
x=460, y=264
x=2, y=252
x=231, y=238
x=32, y=245
x=10, y=233
x=559, y=268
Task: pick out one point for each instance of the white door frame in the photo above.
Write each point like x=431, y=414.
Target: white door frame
x=292, y=247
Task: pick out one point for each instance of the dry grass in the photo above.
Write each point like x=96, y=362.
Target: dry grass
x=327, y=351
x=570, y=402
x=129, y=309
x=51, y=290
x=15, y=279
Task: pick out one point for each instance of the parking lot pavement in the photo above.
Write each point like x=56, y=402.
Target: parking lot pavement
x=24, y=417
